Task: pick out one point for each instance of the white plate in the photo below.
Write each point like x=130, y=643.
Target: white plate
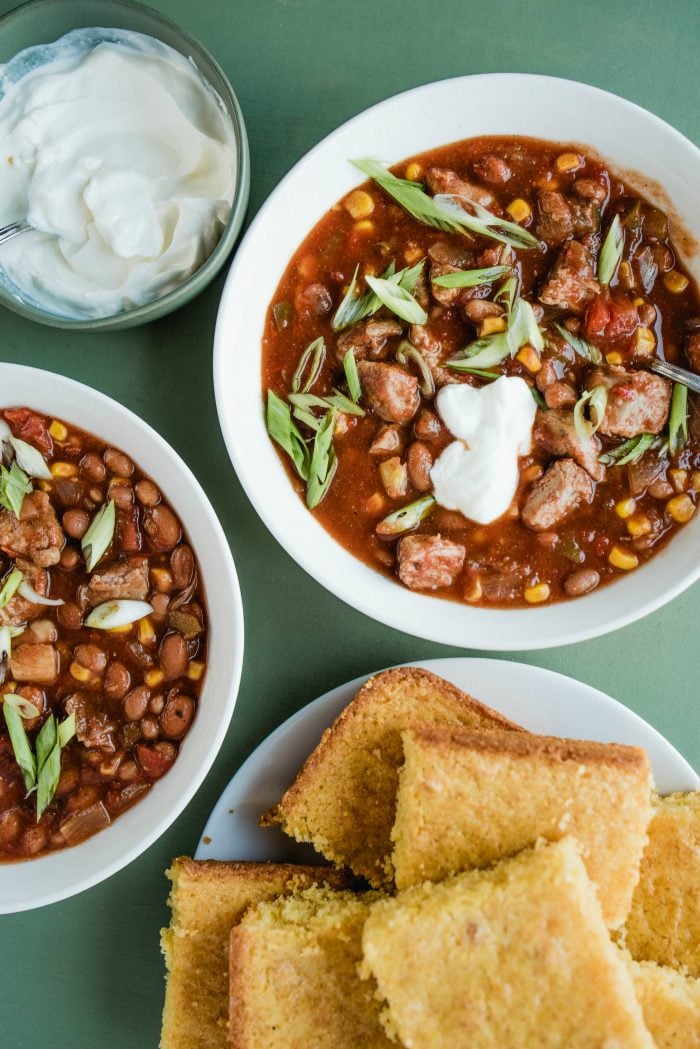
x=410, y=123
x=537, y=699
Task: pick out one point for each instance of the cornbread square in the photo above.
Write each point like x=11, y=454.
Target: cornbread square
x=664, y=922
x=294, y=975
x=343, y=800
x=467, y=799
x=207, y=899
x=515, y=957
x=670, y=1003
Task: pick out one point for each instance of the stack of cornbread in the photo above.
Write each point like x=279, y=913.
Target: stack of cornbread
x=491, y=889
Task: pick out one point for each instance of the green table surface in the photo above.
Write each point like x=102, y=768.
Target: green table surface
x=88, y=972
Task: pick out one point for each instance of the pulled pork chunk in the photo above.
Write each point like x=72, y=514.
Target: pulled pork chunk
x=442, y=180
x=571, y=283
x=560, y=395
x=555, y=433
x=19, y=610
x=591, y=189
x=93, y=726
x=35, y=663
x=388, y=441
x=367, y=338
x=390, y=391
x=562, y=488
x=429, y=562
x=123, y=580
x=493, y=169
x=559, y=217
x=36, y=534
x=638, y=402
x=447, y=258
x=431, y=348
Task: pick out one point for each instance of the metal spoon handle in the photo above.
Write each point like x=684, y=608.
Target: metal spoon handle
x=681, y=375
x=13, y=230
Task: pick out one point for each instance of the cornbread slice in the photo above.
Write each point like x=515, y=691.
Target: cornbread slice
x=514, y=957
x=664, y=923
x=207, y=899
x=294, y=975
x=467, y=799
x=670, y=1003
x=343, y=800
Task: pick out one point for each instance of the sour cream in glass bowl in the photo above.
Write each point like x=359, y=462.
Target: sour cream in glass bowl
x=127, y=157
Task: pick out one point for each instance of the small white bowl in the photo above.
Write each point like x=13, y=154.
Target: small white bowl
x=659, y=162
x=55, y=876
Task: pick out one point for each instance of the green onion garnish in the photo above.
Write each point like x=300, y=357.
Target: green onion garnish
x=14, y=485
x=611, y=252
x=486, y=353
x=580, y=346
x=678, y=418
x=336, y=400
x=407, y=352
x=629, y=451
x=397, y=299
x=10, y=587
x=351, y=375
x=99, y=536
x=122, y=612
x=282, y=430
x=595, y=402
x=324, y=462
x=30, y=459
x=405, y=519
x=26, y=710
x=21, y=746
x=313, y=355
x=353, y=308
x=486, y=224
x=471, y=278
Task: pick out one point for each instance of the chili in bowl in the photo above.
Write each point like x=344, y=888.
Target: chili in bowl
x=116, y=685
x=454, y=362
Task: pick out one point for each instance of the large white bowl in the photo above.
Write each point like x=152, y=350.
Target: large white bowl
x=426, y=117
x=33, y=883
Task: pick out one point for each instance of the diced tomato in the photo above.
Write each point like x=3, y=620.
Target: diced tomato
x=153, y=763
x=597, y=317
x=30, y=427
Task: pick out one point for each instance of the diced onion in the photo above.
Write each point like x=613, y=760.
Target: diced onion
x=113, y=614
x=27, y=591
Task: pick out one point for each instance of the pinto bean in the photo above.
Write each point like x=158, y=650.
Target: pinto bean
x=173, y=656
x=147, y=493
x=118, y=463
x=581, y=582
x=75, y=523
x=419, y=461
x=159, y=604
x=117, y=680
x=69, y=559
x=69, y=616
x=92, y=657
x=93, y=467
x=182, y=566
x=122, y=494
x=162, y=527
x=149, y=728
x=427, y=426
x=177, y=715
x=136, y=703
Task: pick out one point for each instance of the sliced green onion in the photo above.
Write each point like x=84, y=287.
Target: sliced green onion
x=487, y=352
x=99, y=536
x=323, y=462
x=48, y=759
x=407, y=352
x=584, y=349
x=314, y=353
x=678, y=418
x=354, y=308
x=611, y=252
x=336, y=400
x=405, y=519
x=45, y=741
x=27, y=591
x=507, y=293
x=595, y=401
x=5, y=649
x=24, y=756
x=14, y=485
x=282, y=430
x=113, y=614
x=397, y=299
x=282, y=312
x=26, y=710
x=482, y=373
x=10, y=586
x=629, y=451
x=351, y=375
x=30, y=459
x=302, y=416
x=66, y=730
x=471, y=278
x=484, y=222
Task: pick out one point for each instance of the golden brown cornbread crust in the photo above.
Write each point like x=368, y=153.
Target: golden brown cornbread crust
x=342, y=800
x=670, y=1003
x=208, y=898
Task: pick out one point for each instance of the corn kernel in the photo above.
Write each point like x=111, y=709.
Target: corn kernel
x=638, y=525
x=63, y=469
x=473, y=591
x=126, y=629
x=58, y=431
x=613, y=357
x=568, y=162
x=146, y=631
x=675, y=282
x=681, y=508
x=695, y=481
x=44, y=485
x=359, y=203
x=195, y=670
x=547, y=183
x=529, y=358
x=376, y=503
x=535, y=595
x=625, y=508
x=679, y=479
x=153, y=678
x=364, y=226
x=491, y=325
x=412, y=255
x=638, y=302
x=80, y=673
x=622, y=559
x=625, y=274
x=531, y=473
x=644, y=340
x=519, y=210
x=161, y=579
x=414, y=172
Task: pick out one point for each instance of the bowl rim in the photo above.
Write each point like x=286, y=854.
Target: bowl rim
x=359, y=596
x=197, y=281
x=168, y=804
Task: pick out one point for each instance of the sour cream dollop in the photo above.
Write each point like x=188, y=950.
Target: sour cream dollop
x=477, y=474
x=123, y=159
